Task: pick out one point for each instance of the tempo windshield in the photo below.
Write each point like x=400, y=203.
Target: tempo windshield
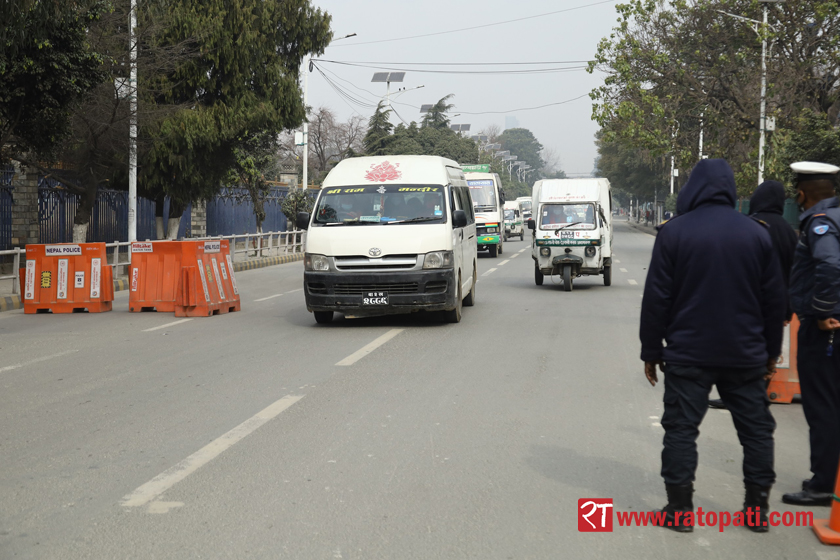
x=372, y=205
x=483, y=192
x=568, y=216
x=509, y=214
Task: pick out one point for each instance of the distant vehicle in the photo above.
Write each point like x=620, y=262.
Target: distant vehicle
x=513, y=220
x=525, y=202
x=488, y=200
x=388, y=235
x=573, y=229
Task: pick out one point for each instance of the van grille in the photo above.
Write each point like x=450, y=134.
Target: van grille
x=435, y=287
x=361, y=289
x=391, y=262
x=317, y=288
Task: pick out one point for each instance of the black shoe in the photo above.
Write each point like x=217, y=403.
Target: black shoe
x=717, y=403
x=756, y=501
x=806, y=483
x=679, y=500
x=808, y=498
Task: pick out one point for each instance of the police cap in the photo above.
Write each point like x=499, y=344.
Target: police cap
x=814, y=171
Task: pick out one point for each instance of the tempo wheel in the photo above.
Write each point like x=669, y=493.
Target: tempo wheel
x=567, y=278
x=494, y=249
x=323, y=317
x=607, y=275
x=538, y=276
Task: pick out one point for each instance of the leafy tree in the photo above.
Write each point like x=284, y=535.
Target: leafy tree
x=246, y=79
x=46, y=65
x=378, y=135
x=436, y=117
x=522, y=143
x=296, y=201
x=810, y=138
x=255, y=156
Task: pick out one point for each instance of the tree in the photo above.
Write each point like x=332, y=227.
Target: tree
x=46, y=65
x=378, y=134
x=245, y=80
x=296, y=201
x=665, y=82
x=331, y=141
x=436, y=117
x=810, y=138
x=255, y=156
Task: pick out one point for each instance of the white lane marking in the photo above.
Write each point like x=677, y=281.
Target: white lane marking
x=513, y=256
x=621, y=269
x=521, y=250
x=36, y=360
x=633, y=282
x=618, y=261
x=293, y=291
x=167, y=325
x=491, y=271
x=175, y=474
x=368, y=348
x=504, y=262
x=269, y=297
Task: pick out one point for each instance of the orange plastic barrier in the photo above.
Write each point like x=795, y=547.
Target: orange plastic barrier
x=191, y=278
x=784, y=385
x=828, y=530
x=67, y=278
x=153, y=275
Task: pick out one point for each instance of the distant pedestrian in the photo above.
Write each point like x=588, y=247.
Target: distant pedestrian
x=815, y=298
x=767, y=205
x=715, y=294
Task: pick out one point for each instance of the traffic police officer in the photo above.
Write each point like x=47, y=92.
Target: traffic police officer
x=815, y=298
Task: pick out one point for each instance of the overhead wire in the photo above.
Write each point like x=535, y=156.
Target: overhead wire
x=484, y=26
x=553, y=70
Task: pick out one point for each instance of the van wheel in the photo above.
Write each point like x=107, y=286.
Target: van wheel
x=493, y=250
x=538, y=276
x=469, y=301
x=454, y=315
x=522, y=236
x=501, y=247
x=607, y=275
x=323, y=317
x=567, y=278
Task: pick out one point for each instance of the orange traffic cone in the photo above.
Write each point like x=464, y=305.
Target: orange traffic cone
x=828, y=530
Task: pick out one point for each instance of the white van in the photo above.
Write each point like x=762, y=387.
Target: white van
x=391, y=234
x=572, y=227
x=488, y=199
x=525, y=203
x=513, y=220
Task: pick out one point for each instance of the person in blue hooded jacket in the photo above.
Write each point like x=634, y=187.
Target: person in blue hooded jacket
x=715, y=295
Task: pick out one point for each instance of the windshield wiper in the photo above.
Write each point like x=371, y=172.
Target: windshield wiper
x=421, y=219
x=565, y=226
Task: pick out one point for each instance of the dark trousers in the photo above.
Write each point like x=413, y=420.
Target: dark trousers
x=686, y=401
x=819, y=381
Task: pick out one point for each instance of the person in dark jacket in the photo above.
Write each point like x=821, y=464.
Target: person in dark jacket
x=714, y=293
x=815, y=297
x=767, y=204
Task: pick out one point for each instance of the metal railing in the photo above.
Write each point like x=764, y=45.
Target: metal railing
x=243, y=248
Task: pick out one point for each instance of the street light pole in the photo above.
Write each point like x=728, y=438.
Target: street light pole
x=763, y=98
x=132, y=126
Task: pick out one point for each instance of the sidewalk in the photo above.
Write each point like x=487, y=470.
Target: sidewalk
x=10, y=301
x=650, y=230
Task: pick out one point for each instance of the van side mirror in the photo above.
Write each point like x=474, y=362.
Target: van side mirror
x=459, y=219
x=502, y=196
x=302, y=220
x=532, y=225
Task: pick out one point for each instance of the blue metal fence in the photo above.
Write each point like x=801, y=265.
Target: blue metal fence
x=232, y=213
x=6, y=175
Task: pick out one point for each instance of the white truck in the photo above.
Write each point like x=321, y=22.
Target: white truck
x=572, y=229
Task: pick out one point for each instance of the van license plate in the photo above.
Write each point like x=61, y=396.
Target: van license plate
x=375, y=298
x=567, y=234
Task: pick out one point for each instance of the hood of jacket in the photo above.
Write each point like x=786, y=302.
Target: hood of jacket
x=769, y=197
x=711, y=182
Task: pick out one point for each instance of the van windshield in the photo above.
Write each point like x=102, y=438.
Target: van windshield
x=567, y=216
x=383, y=204
x=509, y=215
x=483, y=192
x=526, y=205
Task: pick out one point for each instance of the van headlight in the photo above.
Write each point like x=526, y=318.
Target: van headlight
x=492, y=230
x=545, y=251
x=316, y=263
x=589, y=251
x=439, y=259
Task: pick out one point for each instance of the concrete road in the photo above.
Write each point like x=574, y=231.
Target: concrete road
x=240, y=436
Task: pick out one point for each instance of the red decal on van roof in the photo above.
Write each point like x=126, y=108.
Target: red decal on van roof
x=383, y=172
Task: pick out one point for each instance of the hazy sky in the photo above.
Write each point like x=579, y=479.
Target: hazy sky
x=569, y=36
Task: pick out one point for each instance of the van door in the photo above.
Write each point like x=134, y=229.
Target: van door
x=469, y=250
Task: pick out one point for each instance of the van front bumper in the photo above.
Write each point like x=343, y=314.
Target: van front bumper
x=488, y=239
x=424, y=290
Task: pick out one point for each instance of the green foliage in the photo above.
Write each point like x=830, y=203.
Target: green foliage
x=522, y=143
x=630, y=170
x=46, y=66
x=246, y=79
x=665, y=81
x=811, y=138
x=436, y=117
x=296, y=201
x=378, y=137
x=254, y=158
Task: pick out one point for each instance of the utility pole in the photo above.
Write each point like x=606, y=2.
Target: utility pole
x=763, y=97
x=306, y=69
x=132, y=127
